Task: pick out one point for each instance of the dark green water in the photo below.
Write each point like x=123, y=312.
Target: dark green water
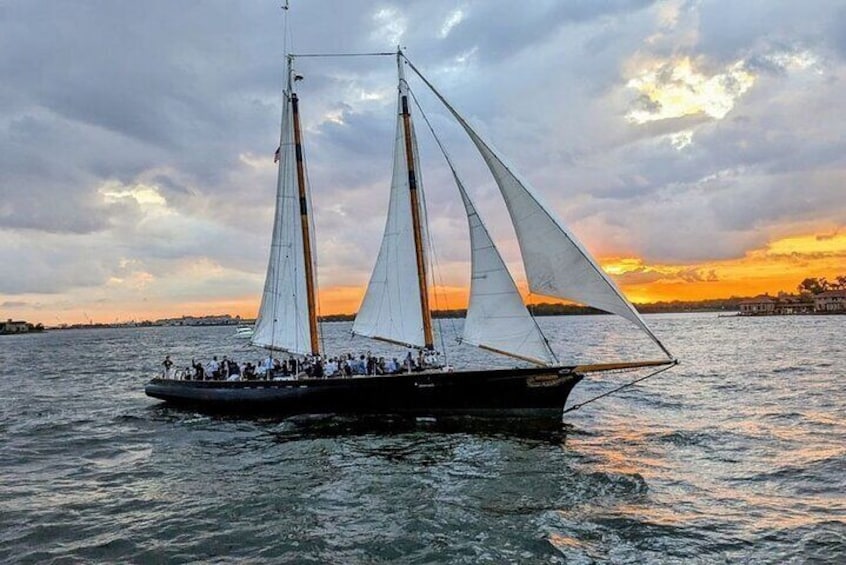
x=739, y=455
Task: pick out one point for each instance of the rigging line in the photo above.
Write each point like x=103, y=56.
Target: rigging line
x=619, y=388
x=537, y=325
x=326, y=55
x=434, y=264
x=313, y=237
x=455, y=174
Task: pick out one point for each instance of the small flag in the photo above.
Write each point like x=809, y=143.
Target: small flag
x=276, y=155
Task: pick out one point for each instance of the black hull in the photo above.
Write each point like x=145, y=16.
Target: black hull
x=534, y=392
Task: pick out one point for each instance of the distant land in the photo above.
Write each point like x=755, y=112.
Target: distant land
x=807, y=291
x=543, y=309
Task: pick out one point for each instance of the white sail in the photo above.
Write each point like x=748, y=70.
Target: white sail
x=391, y=308
x=496, y=318
x=282, y=321
x=556, y=263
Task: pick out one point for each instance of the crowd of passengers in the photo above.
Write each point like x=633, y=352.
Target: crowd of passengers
x=272, y=368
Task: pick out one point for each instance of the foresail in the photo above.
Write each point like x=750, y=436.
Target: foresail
x=556, y=263
x=282, y=322
x=496, y=318
x=391, y=308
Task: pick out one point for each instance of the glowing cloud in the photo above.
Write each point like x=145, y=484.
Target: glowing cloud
x=780, y=265
x=673, y=89
x=144, y=195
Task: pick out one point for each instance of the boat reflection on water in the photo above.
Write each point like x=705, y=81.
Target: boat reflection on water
x=301, y=427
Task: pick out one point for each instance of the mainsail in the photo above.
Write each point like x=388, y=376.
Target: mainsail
x=283, y=318
x=392, y=308
x=555, y=261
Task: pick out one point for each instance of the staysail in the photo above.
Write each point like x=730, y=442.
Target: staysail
x=392, y=307
x=283, y=318
x=496, y=318
x=555, y=261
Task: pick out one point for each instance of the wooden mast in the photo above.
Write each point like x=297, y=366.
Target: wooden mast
x=415, y=212
x=304, y=219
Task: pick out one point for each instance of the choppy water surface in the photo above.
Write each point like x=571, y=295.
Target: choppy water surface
x=737, y=455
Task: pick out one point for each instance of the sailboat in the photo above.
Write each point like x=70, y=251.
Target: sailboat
x=396, y=309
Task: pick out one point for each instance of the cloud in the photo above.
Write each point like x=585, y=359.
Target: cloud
x=136, y=140
x=673, y=89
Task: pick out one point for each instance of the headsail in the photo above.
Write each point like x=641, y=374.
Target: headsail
x=496, y=318
x=283, y=319
x=392, y=307
x=555, y=261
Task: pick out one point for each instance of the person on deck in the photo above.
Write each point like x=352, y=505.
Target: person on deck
x=167, y=364
x=267, y=366
x=214, y=368
x=199, y=372
x=317, y=369
x=331, y=367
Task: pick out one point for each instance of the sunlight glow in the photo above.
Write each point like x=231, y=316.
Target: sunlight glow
x=673, y=89
x=334, y=116
x=144, y=195
x=779, y=266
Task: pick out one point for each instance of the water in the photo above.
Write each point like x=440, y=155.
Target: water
x=738, y=455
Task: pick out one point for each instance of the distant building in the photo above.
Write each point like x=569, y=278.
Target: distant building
x=14, y=327
x=793, y=305
x=220, y=320
x=758, y=306
x=830, y=301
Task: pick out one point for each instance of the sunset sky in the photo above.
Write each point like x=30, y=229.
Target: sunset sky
x=697, y=148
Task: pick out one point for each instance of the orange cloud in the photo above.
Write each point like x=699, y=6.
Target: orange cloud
x=781, y=265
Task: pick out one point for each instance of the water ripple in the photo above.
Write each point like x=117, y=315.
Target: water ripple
x=738, y=456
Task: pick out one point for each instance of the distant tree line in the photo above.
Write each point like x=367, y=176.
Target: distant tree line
x=807, y=289
x=814, y=285
x=553, y=309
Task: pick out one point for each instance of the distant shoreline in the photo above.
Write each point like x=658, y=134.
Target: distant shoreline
x=538, y=310
x=726, y=306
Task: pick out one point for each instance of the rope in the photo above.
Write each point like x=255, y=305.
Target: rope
x=618, y=389
x=375, y=54
x=432, y=243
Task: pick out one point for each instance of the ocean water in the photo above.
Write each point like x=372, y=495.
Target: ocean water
x=737, y=455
